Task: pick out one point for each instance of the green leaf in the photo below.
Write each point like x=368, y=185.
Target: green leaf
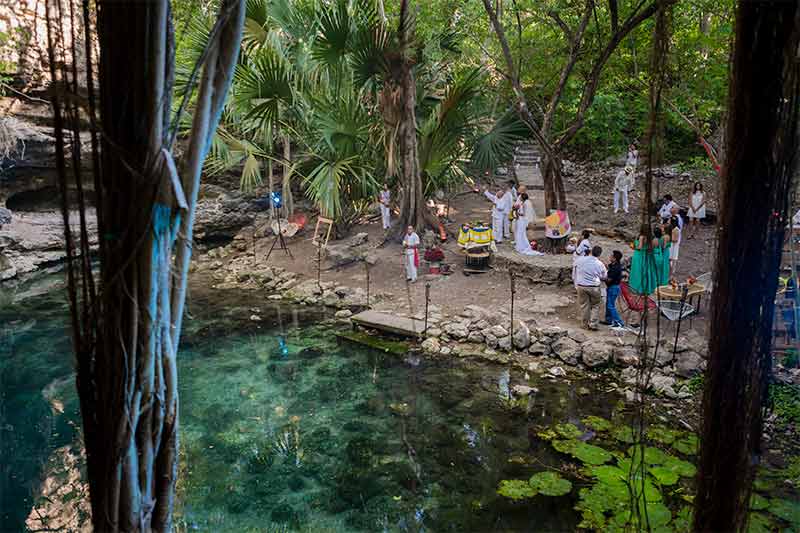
x=564, y=446
x=624, y=434
x=786, y=510
x=679, y=466
x=758, y=502
x=550, y=484
x=590, y=454
x=759, y=523
x=597, y=423
x=688, y=445
x=607, y=473
x=652, y=456
x=568, y=431
x=664, y=476
x=683, y=520
x=546, y=434
x=662, y=434
x=516, y=489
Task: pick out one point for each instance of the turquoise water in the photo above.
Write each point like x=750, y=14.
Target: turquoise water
x=283, y=427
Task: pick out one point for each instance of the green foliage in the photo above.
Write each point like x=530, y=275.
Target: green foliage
x=785, y=402
x=550, y=484
x=687, y=445
x=597, y=423
x=568, y=431
x=624, y=434
x=786, y=510
x=516, y=489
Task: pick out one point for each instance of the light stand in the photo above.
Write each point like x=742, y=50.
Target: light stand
x=282, y=243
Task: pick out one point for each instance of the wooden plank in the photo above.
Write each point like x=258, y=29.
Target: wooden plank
x=398, y=325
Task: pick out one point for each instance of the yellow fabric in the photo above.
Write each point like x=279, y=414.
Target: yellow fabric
x=480, y=235
x=463, y=236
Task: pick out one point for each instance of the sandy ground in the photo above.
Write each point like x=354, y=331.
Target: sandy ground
x=548, y=304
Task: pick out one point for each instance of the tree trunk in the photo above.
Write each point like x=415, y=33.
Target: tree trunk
x=288, y=198
x=126, y=335
x=271, y=184
x=761, y=161
x=412, y=205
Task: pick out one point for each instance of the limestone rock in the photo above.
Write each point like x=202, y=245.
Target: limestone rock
x=567, y=350
x=498, y=331
x=552, y=332
x=522, y=337
x=491, y=340
x=480, y=325
x=664, y=356
x=557, y=371
x=445, y=350
x=430, y=345
x=433, y=332
x=626, y=356
x=330, y=299
x=457, y=330
x=475, y=312
x=475, y=336
x=504, y=343
x=578, y=336
x=496, y=318
x=255, y=318
x=344, y=313
x=523, y=390
x=689, y=364
x=596, y=353
x=662, y=384
x=539, y=349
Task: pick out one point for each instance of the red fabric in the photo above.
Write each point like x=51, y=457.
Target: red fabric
x=635, y=302
x=416, y=258
x=710, y=153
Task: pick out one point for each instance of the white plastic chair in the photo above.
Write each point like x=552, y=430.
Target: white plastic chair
x=707, y=281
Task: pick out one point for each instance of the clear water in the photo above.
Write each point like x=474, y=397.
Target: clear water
x=285, y=428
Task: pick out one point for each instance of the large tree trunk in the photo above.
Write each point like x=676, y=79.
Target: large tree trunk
x=412, y=202
x=761, y=160
x=288, y=198
x=126, y=335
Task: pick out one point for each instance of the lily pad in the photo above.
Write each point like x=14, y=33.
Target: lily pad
x=568, y=431
x=624, y=434
x=597, y=423
x=516, y=489
x=679, y=466
x=683, y=520
x=663, y=434
x=607, y=473
x=547, y=434
x=652, y=456
x=687, y=445
x=564, y=446
x=758, y=502
x=550, y=484
x=664, y=476
x=656, y=515
x=591, y=454
x=759, y=523
x=786, y=510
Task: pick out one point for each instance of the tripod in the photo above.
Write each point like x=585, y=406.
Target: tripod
x=279, y=240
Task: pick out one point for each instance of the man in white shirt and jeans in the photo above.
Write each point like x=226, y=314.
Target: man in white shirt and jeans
x=590, y=272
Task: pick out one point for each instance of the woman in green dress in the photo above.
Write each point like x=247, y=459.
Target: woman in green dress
x=645, y=270
x=661, y=247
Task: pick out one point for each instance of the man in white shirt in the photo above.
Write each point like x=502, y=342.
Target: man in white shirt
x=589, y=274
x=383, y=199
x=666, y=210
x=622, y=184
x=500, y=211
x=411, y=251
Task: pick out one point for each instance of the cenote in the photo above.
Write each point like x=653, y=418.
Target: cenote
x=284, y=427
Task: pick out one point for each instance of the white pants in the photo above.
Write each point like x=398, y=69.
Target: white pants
x=506, y=226
x=624, y=194
x=385, y=216
x=411, y=269
x=497, y=227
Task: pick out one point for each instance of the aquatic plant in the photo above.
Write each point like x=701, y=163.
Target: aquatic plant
x=550, y=484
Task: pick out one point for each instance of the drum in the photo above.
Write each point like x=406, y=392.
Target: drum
x=480, y=235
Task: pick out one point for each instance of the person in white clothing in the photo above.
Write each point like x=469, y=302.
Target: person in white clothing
x=676, y=230
x=508, y=204
x=525, y=215
x=622, y=184
x=383, y=199
x=632, y=160
x=583, y=249
x=665, y=212
x=590, y=272
x=500, y=211
x=697, y=208
x=411, y=251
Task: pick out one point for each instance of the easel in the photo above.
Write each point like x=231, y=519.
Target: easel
x=279, y=239
x=322, y=220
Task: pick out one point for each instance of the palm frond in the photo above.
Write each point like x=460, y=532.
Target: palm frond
x=334, y=34
x=496, y=146
x=263, y=85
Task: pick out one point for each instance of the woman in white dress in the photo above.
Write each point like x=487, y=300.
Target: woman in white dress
x=525, y=215
x=697, y=208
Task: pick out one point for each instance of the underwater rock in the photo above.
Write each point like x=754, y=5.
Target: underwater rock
x=523, y=390
x=255, y=318
x=557, y=371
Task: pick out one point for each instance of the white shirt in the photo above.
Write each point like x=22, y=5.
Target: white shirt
x=664, y=212
x=502, y=204
x=582, y=247
x=411, y=240
x=622, y=182
x=589, y=271
x=527, y=210
x=633, y=158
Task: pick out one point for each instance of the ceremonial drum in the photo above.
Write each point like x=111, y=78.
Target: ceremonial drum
x=480, y=235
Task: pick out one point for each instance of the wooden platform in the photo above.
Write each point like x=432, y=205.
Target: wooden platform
x=407, y=327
